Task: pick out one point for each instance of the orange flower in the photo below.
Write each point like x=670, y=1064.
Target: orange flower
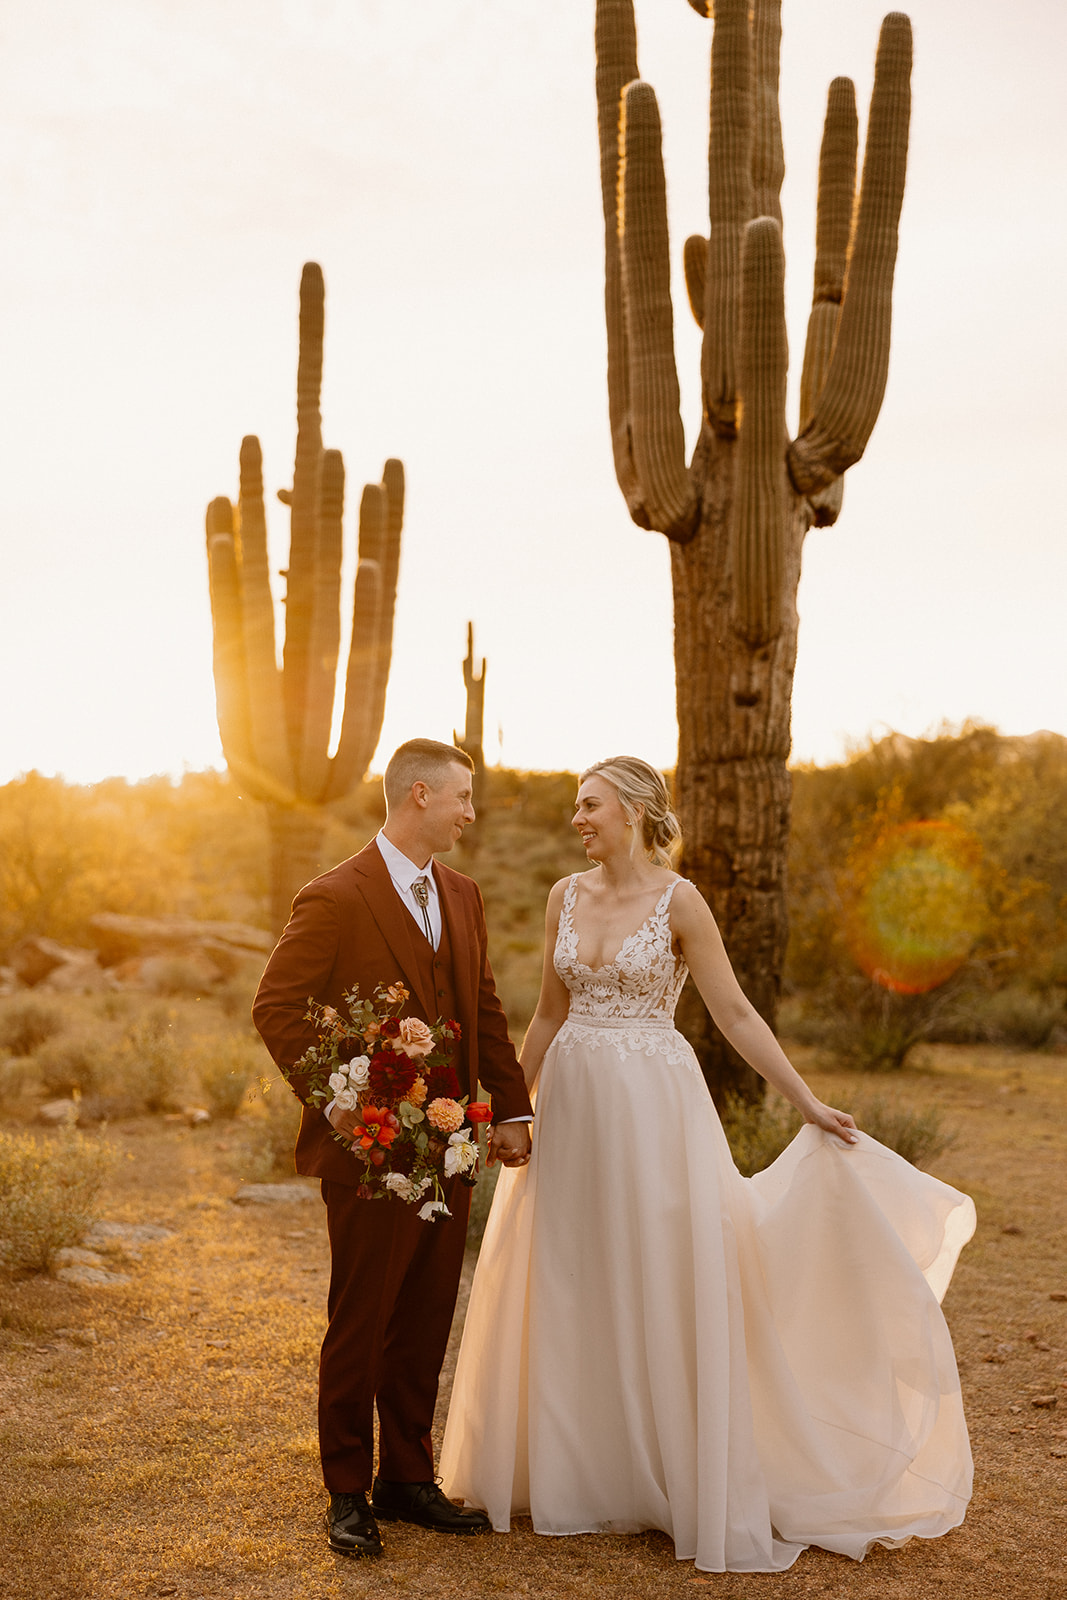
x=396, y=994
x=374, y=1128
x=479, y=1111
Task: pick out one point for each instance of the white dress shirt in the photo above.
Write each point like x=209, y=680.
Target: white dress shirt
x=404, y=873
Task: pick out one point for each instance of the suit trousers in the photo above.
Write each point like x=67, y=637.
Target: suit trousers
x=393, y=1286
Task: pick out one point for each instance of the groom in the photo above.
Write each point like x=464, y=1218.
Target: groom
x=391, y=914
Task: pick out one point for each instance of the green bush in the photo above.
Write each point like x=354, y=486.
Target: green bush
x=227, y=1067
x=71, y=1062
x=918, y=1136
x=26, y=1022
x=758, y=1133
x=145, y=1071
x=272, y=1128
x=48, y=1193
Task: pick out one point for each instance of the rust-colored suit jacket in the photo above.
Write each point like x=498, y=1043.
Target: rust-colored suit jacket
x=348, y=928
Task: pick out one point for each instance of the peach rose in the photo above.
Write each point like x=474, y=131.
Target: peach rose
x=415, y=1038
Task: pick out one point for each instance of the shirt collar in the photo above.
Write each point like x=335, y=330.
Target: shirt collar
x=402, y=869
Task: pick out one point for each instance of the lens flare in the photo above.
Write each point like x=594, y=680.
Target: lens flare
x=919, y=906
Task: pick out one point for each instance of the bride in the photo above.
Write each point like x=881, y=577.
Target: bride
x=653, y=1341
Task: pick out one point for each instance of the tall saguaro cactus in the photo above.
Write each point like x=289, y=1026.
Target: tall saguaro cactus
x=737, y=513
x=473, y=741
x=275, y=722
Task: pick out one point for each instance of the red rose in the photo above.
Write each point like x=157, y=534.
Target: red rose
x=479, y=1111
x=390, y=1028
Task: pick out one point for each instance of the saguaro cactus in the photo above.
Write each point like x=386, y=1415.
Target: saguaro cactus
x=275, y=722
x=473, y=736
x=736, y=515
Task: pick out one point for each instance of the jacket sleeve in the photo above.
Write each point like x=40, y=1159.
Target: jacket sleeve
x=299, y=970
x=498, y=1067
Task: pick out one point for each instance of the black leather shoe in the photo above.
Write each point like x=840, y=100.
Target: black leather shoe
x=425, y=1506
x=350, y=1526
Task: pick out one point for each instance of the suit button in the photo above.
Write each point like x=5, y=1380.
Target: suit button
x=440, y=994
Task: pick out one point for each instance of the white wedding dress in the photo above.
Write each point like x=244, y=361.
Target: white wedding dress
x=653, y=1341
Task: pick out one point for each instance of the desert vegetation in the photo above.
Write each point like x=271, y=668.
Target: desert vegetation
x=179, y=1390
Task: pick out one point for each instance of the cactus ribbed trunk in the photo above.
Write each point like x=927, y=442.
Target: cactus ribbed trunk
x=736, y=516
x=473, y=740
x=275, y=723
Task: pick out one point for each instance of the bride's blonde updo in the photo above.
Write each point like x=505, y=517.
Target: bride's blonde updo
x=638, y=784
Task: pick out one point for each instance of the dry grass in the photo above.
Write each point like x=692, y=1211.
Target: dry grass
x=176, y=1454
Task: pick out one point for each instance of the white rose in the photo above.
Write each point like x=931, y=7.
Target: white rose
x=359, y=1072
x=401, y=1186
x=338, y=1082
x=431, y=1208
x=346, y=1100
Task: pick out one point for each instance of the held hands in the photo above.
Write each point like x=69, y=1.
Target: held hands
x=831, y=1121
x=509, y=1143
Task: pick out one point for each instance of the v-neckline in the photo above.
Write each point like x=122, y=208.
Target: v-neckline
x=630, y=937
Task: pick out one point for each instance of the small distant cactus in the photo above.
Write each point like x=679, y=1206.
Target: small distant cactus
x=736, y=515
x=275, y=723
x=473, y=728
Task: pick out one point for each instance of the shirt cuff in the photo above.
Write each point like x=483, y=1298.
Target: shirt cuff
x=513, y=1119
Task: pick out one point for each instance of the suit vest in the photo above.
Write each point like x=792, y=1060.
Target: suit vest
x=437, y=978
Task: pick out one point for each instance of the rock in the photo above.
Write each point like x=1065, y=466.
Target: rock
x=90, y=1277
x=1043, y=1402
x=1059, y=1451
x=118, y=938
x=73, y=1256
x=59, y=1113
x=1012, y=1228
x=266, y=1194
x=103, y=1234
x=83, y=976
x=1058, y=1294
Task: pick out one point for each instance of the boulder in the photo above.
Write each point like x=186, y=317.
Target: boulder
x=90, y=1277
x=34, y=958
x=59, y=1113
x=121, y=938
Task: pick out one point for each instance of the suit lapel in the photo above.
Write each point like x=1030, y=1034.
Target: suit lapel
x=395, y=923
x=464, y=947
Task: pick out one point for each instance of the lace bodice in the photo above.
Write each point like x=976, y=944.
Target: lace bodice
x=644, y=980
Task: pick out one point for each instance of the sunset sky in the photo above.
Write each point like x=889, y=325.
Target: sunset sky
x=166, y=169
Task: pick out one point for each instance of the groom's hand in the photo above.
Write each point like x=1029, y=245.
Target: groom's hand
x=343, y=1121
x=509, y=1143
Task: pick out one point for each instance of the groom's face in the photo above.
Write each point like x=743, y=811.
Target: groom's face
x=448, y=808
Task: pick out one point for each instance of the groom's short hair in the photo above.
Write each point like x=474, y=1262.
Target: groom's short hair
x=421, y=761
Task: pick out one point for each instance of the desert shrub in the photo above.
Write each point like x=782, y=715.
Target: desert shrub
x=71, y=1062
x=48, y=1193
x=26, y=1022
x=918, y=1136
x=227, y=1067
x=272, y=1128
x=1017, y=1016
x=177, y=977
x=145, y=1071
x=758, y=1131
x=18, y=1075
x=859, y=1026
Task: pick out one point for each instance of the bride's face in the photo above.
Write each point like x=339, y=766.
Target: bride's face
x=600, y=820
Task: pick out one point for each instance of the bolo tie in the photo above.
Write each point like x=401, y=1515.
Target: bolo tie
x=421, y=890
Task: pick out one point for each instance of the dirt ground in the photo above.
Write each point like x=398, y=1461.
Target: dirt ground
x=158, y=1438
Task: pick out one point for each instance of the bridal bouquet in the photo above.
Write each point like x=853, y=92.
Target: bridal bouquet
x=414, y=1130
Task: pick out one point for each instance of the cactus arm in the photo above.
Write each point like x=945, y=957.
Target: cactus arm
x=231, y=686
x=768, y=157
x=833, y=225
x=379, y=541
x=657, y=438
x=324, y=640
x=730, y=202
x=847, y=408
x=695, y=265
x=304, y=503
x=474, y=684
x=361, y=722
x=759, y=513
x=616, y=66
x=269, y=745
